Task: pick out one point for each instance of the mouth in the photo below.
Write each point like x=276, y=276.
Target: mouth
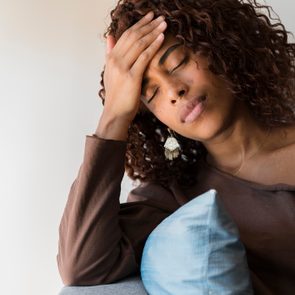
x=192, y=109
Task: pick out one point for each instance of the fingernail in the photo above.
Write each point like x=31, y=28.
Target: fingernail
x=161, y=36
x=162, y=25
x=150, y=14
x=160, y=18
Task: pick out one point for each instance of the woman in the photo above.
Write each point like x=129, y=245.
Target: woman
x=216, y=78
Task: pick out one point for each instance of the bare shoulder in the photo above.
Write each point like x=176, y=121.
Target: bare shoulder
x=277, y=164
x=282, y=137
x=290, y=134
x=286, y=140
x=283, y=157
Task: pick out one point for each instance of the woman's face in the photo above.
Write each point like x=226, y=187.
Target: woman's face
x=182, y=93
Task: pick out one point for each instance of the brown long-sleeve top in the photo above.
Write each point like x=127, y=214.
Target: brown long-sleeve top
x=101, y=240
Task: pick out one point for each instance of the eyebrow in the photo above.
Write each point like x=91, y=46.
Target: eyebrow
x=162, y=60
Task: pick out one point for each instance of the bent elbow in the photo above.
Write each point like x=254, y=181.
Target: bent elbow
x=72, y=275
x=69, y=275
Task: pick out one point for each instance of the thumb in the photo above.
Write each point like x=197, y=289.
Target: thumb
x=111, y=42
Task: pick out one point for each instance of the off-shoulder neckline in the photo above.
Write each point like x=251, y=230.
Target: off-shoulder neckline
x=256, y=185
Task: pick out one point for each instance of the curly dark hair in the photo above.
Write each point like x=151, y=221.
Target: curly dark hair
x=243, y=47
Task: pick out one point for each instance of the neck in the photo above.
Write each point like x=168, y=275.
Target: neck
x=231, y=148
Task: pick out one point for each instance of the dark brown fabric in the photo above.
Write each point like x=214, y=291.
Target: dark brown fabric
x=101, y=240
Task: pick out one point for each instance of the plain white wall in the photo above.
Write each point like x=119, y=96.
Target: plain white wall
x=52, y=53
x=51, y=58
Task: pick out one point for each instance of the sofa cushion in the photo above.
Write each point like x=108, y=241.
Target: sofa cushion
x=128, y=286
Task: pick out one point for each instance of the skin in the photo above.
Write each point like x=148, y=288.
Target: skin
x=126, y=61
x=231, y=135
x=177, y=87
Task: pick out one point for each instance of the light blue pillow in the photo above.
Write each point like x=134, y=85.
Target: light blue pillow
x=196, y=250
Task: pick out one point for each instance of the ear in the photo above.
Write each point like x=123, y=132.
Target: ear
x=111, y=42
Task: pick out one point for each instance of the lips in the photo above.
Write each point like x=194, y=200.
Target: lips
x=192, y=109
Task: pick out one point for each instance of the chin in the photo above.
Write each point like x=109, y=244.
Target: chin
x=204, y=131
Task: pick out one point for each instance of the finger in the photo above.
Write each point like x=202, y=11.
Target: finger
x=111, y=42
x=136, y=32
x=144, y=30
x=140, y=45
x=144, y=20
x=145, y=57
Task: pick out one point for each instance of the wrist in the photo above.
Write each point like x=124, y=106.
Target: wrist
x=115, y=128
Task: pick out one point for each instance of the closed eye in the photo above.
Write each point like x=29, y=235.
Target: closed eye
x=184, y=61
x=150, y=99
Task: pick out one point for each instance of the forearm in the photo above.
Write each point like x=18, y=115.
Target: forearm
x=112, y=127
x=90, y=236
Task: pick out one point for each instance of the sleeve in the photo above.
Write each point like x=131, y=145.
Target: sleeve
x=101, y=240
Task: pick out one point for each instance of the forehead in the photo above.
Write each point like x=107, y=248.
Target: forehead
x=169, y=40
x=167, y=43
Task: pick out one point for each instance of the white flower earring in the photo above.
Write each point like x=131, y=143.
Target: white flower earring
x=172, y=147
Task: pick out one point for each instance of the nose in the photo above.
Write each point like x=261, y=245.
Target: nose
x=177, y=91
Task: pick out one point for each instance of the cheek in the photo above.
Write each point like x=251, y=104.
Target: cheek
x=195, y=76
x=160, y=112
x=163, y=113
